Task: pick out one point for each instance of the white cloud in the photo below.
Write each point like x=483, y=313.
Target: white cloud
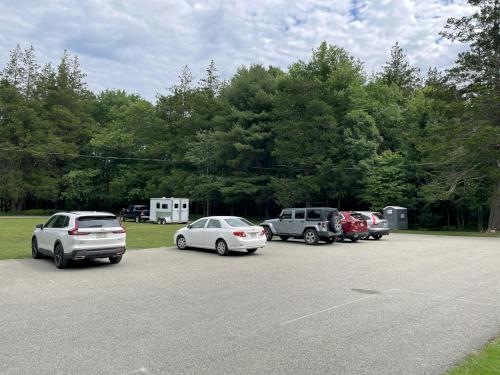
x=141, y=45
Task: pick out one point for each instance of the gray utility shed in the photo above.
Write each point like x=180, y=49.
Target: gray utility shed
x=397, y=217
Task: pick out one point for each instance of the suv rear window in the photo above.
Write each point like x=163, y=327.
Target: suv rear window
x=313, y=214
x=98, y=222
x=357, y=216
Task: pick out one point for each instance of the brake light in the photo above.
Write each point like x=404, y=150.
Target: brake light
x=240, y=234
x=263, y=233
x=74, y=231
x=123, y=230
x=374, y=219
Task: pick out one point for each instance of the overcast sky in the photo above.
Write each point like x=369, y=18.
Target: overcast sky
x=141, y=46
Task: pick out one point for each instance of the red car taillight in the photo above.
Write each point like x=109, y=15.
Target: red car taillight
x=374, y=219
x=240, y=234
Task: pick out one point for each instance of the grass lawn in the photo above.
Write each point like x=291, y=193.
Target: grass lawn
x=486, y=362
x=449, y=233
x=15, y=236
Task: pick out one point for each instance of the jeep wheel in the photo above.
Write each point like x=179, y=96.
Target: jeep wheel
x=284, y=238
x=59, y=259
x=34, y=249
x=221, y=247
x=311, y=237
x=269, y=233
x=115, y=260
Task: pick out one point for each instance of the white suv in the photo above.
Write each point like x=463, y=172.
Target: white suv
x=79, y=235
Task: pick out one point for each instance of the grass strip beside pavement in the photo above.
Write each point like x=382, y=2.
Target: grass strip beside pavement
x=15, y=235
x=485, y=362
x=449, y=233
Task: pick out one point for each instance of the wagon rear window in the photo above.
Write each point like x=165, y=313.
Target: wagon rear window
x=98, y=222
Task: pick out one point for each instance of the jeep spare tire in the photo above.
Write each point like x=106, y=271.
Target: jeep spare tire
x=334, y=224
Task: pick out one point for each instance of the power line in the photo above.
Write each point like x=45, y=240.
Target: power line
x=124, y=158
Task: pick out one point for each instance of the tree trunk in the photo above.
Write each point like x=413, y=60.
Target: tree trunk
x=494, y=219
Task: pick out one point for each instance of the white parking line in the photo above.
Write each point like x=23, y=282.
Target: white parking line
x=444, y=297
x=389, y=291
x=328, y=309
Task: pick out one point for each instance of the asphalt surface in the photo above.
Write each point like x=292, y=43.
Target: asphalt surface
x=407, y=304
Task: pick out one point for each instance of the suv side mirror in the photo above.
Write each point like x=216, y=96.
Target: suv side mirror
x=39, y=226
x=280, y=217
x=189, y=226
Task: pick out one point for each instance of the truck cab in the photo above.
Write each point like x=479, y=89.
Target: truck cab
x=135, y=212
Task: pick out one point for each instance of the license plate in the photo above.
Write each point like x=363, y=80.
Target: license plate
x=253, y=234
x=101, y=235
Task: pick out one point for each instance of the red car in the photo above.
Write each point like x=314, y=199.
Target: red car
x=354, y=226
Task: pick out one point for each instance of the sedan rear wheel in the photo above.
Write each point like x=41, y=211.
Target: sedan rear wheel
x=221, y=247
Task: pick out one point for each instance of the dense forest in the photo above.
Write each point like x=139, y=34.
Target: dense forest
x=320, y=133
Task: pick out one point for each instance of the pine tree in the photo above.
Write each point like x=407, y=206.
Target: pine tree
x=398, y=71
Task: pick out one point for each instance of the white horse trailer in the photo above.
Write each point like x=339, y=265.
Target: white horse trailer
x=169, y=210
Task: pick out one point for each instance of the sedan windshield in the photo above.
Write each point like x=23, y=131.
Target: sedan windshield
x=238, y=222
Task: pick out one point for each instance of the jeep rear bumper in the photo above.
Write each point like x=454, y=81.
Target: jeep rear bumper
x=95, y=253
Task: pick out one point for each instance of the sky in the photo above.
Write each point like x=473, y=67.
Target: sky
x=141, y=46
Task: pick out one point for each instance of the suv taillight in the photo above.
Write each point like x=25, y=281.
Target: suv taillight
x=123, y=230
x=240, y=234
x=323, y=225
x=374, y=219
x=263, y=232
x=74, y=231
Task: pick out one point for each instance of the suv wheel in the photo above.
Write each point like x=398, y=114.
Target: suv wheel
x=34, y=249
x=221, y=247
x=269, y=233
x=115, y=260
x=311, y=237
x=376, y=236
x=284, y=238
x=59, y=259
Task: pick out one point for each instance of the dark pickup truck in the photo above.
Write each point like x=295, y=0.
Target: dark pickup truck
x=135, y=212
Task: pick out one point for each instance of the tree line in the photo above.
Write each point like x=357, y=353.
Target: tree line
x=322, y=132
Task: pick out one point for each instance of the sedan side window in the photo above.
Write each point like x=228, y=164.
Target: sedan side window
x=199, y=224
x=286, y=215
x=214, y=224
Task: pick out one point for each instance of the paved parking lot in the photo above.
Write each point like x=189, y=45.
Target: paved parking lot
x=407, y=304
